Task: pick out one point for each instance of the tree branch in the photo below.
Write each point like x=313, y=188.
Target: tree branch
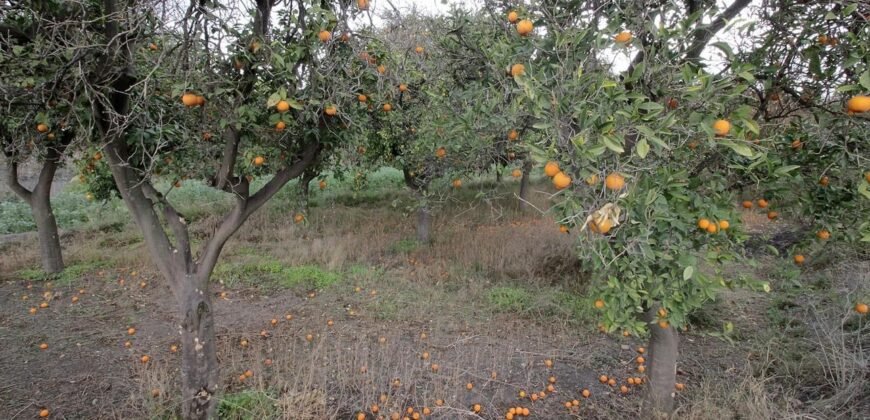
x=702, y=35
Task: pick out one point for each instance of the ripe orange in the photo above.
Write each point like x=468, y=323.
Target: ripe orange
x=145, y=359
x=362, y=4
x=388, y=107
x=551, y=169
x=623, y=389
x=797, y=144
x=614, y=181
x=602, y=227
x=331, y=111
x=525, y=27
x=679, y=386
x=259, y=160
x=564, y=229
x=280, y=126
x=724, y=225
x=712, y=228
x=561, y=181
x=548, y=363
x=747, y=204
x=469, y=386
x=799, y=259
x=476, y=408
x=513, y=17
x=762, y=203
x=282, y=106
x=298, y=218
x=190, y=99
x=435, y=367
x=703, y=224
x=824, y=181
x=324, y=36
x=42, y=128
x=361, y=416
x=641, y=350
x=772, y=215
x=131, y=331
x=591, y=180
x=602, y=379
x=867, y=176
x=586, y=393
x=663, y=323
x=622, y=37
x=43, y=413
x=859, y=103
x=382, y=69
x=513, y=135
x=173, y=348
x=362, y=98
x=322, y=185
x=441, y=153
x=823, y=234
x=673, y=103
x=721, y=127
x=419, y=49
x=518, y=70
x=642, y=368
x=861, y=308
x=43, y=346
x=457, y=183
x=611, y=382
x=403, y=87
x=516, y=173
x=640, y=360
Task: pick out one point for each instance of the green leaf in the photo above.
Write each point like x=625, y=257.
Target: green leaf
x=613, y=144
x=642, y=148
x=542, y=126
x=740, y=149
x=725, y=48
x=847, y=88
x=784, y=170
x=865, y=79
x=746, y=76
x=651, y=136
x=688, y=272
x=651, y=106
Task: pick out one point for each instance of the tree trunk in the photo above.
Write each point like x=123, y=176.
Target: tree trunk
x=524, y=185
x=663, y=351
x=199, y=365
x=46, y=229
x=424, y=223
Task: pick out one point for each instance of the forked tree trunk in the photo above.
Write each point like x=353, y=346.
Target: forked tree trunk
x=524, y=185
x=663, y=351
x=424, y=223
x=46, y=229
x=199, y=365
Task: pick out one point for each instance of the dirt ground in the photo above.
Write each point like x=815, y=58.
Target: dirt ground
x=490, y=303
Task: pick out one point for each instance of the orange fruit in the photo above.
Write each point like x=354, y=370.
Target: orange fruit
x=190, y=99
x=622, y=37
x=602, y=379
x=548, y=363
x=564, y=229
x=679, y=387
x=525, y=27
x=747, y=204
x=439, y=402
x=362, y=98
x=861, y=308
x=673, y=103
x=642, y=368
x=797, y=144
x=640, y=360
x=145, y=359
x=859, y=103
x=823, y=234
x=43, y=346
x=259, y=160
x=703, y=224
x=724, y=225
x=762, y=203
x=280, y=126
x=419, y=49
x=513, y=135
x=435, y=367
x=360, y=416
x=586, y=393
x=603, y=227
x=387, y=107
x=403, y=87
x=131, y=331
x=623, y=389
x=469, y=386
x=516, y=173
x=518, y=70
x=867, y=176
x=611, y=382
x=43, y=413
x=173, y=348
x=457, y=183
x=513, y=17
x=721, y=127
x=663, y=323
x=331, y=111
x=324, y=36
x=382, y=69
x=772, y=215
x=551, y=169
x=298, y=218
x=591, y=180
x=641, y=350
x=824, y=181
x=42, y=128
x=282, y=106
x=322, y=185
x=362, y=4
x=799, y=259
x=712, y=228
x=614, y=181
x=441, y=153
x=561, y=181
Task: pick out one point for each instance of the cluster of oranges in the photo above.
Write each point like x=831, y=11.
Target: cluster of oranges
x=190, y=99
x=713, y=226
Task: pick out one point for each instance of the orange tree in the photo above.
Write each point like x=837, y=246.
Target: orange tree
x=422, y=120
x=36, y=98
x=193, y=92
x=649, y=161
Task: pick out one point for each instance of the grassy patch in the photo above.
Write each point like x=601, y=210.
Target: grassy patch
x=509, y=299
x=268, y=273
x=404, y=246
x=64, y=278
x=247, y=405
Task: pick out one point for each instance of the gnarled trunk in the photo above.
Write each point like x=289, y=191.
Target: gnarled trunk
x=424, y=223
x=199, y=365
x=524, y=185
x=46, y=229
x=663, y=351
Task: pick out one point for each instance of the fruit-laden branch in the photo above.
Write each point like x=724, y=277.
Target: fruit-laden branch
x=702, y=35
